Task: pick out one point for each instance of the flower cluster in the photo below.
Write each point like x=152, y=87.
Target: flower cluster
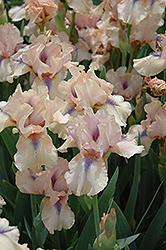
x=80, y=75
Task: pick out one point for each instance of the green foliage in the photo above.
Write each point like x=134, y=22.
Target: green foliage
x=88, y=233
x=103, y=73
x=126, y=241
x=153, y=233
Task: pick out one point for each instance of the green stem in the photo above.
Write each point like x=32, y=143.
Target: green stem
x=134, y=50
x=164, y=75
x=116, y=58
x=41, y=27
x=130, y=66
x=96, y=215
x=72, y=26
x=33, y=205
x=163, y=97
x=123, y=60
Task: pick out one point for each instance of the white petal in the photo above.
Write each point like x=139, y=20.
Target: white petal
x=5, y=120
x=34, y=153
x=149, y=65
x=17, y=13
x=25, y=181
x=127, y=148
x=69, y=143
x=119, y=108
x=88, y=181
x=5, y=69
x=9, y=236
x=145, y=140
x=55, y=221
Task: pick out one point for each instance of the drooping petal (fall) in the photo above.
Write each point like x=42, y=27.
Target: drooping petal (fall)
x=86, y=176
x=56, y=218
x=126, y=148
x=34, y=151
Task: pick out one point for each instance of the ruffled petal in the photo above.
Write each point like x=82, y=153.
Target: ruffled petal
x=116, y=106
x=35, y=151
x=25, y=181
x=17, y=13
x=5, y=69
x=150, y=65
x=52, y=85
x=126, y=148
x=56, y=219
x=82, y=6
x=145, y=140
x=9, y=236
x=5, y=119
x=158, y=128
x=86, y=176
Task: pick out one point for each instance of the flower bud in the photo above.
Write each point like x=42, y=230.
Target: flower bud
x=107, y=239
x=3, y=15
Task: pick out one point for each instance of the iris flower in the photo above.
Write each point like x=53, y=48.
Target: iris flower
x=94, y=135
x=56, y=213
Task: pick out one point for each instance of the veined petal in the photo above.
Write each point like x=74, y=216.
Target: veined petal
x=86, y=177
x=5, y=119
x=52, y=183
x=150, y=65
x=55, y=219
x=5, y=69
x=25, y=181
x=18, y=67
x=52, y=85
x=9, y=236
x=158, y=128
x=116, y=106
x=144, y=139
x=35, y=151
x=9, y=39
x=126, y=148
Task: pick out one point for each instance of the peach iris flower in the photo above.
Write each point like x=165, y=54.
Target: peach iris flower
x=154, y=63
x=156, y=119
x=126, y=84
x=79, y=92
x=134, y=11
x=151, y=128
x=94, y=135
x=56, y=213
x=31, y=112
x=9, y=40
x=40, y=11
x=44, y=58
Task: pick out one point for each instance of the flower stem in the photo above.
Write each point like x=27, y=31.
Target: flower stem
x=96, y=215
x=72, y=26
x=41, y=27
x=33, y=205
x=163, y=97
